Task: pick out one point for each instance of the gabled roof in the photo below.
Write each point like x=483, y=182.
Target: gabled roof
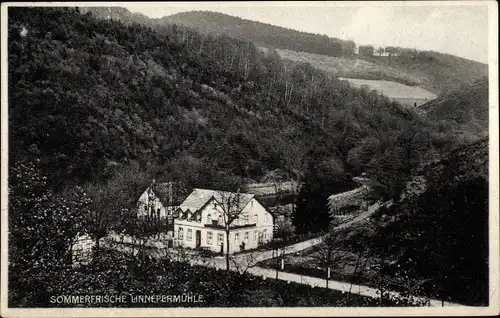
x=200, y=197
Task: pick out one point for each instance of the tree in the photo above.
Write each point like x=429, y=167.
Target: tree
x=231, y=206
x=327, y=255
x=324, y=177
x=276, y=177
x=42, y=227
x=366, y=50
x=114, y=201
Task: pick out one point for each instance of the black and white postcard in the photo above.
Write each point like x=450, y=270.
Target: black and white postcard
x=249, y=159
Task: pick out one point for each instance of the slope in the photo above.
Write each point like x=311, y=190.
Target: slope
x=264, y=34
x=438, y=237
x=467, y=108
x=436, y=72
x=89, y=94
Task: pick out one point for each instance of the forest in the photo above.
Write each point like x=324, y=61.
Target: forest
x=97, y=109
x=89, y=95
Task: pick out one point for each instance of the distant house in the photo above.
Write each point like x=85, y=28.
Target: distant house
x=199, y=222
x=160, y=201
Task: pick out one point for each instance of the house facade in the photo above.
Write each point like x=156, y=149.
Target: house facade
x=159, y=202
x=201, y=220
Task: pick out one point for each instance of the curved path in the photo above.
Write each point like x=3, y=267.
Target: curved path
x=248, y=262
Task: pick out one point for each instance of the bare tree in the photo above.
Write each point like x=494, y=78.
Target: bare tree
x=327, y=253
x=110, y=199
x=231, y=208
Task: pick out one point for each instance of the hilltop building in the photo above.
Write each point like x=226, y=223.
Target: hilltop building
x=201, y=220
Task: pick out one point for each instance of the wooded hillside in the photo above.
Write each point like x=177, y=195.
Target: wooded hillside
x=439, y=238
x=436, y=72
x=88, y=95
x=467, y=108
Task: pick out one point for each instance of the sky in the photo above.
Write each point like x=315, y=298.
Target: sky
x=458, y=29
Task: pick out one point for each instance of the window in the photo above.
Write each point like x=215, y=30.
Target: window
x=220, y=238
x=255, y=218
x=236, y=238
x=255, y=233
x=237, y=222
x=209, y=219
x=265, y=218
x=210, y=238
x=264, y=234
x=245, y=219
x=221, y=220
x=158, y=212
x=181, y=234
x=189, y=234
x=247, y=234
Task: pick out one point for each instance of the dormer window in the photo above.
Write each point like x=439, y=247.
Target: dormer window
x=209, y=218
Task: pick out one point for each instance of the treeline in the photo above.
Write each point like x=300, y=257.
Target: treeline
x=261, y=34
x=216, y=23
x=437, y=72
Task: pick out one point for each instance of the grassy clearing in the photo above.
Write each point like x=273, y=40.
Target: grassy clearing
x=392, y=89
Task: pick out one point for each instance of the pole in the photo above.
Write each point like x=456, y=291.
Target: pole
x=282, y=264
x=327, y=276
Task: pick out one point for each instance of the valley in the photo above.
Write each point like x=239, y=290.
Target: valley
x=211, y=139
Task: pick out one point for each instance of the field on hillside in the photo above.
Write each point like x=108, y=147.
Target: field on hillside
x=349, y=67
x=435, y=72
x=402, y=93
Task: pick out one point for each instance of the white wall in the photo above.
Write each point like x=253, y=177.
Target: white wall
x=264, y=226
x=145, y=202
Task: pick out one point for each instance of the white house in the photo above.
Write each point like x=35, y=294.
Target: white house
x=200, y=221
x=160, y=201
